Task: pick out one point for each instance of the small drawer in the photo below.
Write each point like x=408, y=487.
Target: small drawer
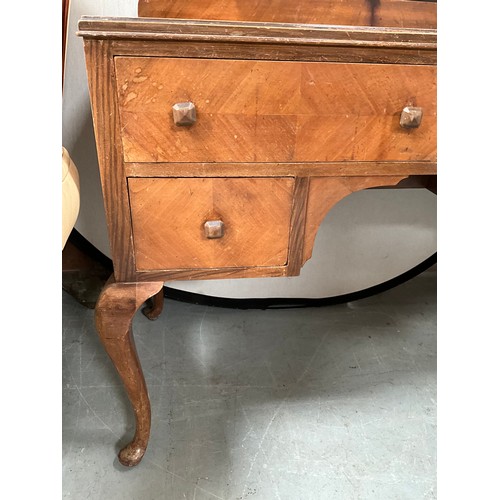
x=273, y=111
x=196, y=223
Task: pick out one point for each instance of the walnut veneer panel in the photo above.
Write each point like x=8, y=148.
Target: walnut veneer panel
x=168, y=216
x=409, y=14
x=263, y=111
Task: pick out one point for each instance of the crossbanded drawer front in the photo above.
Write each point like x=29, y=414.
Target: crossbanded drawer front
x=273, y=111
x=198, y=223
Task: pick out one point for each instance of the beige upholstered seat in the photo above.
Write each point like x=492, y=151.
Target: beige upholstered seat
x=70, y=195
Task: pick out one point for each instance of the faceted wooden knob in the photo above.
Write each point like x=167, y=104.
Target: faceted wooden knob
x=184, y=113
x=411, y=117
x=214, y=229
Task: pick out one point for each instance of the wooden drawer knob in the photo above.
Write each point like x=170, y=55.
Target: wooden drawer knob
x=184, y=113
x=411, y=117
x=214, y=229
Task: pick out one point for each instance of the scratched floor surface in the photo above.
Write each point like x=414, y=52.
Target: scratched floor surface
x=326, y=403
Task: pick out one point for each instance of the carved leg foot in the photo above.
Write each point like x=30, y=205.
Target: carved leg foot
x=153, y=309
x=114, y=311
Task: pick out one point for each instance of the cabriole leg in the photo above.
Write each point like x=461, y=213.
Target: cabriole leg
x=114, y=312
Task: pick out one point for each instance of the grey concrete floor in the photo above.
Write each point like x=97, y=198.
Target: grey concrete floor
x=336, y=402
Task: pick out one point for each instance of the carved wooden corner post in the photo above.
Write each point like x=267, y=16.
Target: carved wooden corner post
x=114, y=312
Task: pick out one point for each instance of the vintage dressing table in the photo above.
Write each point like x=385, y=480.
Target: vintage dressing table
x=226, y=131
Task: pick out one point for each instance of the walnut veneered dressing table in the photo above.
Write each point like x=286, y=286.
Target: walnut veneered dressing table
x=224, y=140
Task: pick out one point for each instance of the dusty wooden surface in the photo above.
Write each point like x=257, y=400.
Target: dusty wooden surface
x=283, y=169
x=348, y=12
x=100, y=74
x=250, y=111
x=168, y=216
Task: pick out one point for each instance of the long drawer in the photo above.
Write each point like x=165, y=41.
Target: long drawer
x=274, y=111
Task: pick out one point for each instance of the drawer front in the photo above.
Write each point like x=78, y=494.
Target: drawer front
x=169, y=217
x=274, y=111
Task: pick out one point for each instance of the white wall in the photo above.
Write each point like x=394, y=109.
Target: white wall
x=368, y=238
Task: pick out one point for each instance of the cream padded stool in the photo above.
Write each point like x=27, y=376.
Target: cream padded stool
x=70, y=195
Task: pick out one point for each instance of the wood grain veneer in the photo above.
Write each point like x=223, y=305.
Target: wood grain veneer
x=282, y=169
x=346, y=12
x=168, y=216
x=262, y=111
